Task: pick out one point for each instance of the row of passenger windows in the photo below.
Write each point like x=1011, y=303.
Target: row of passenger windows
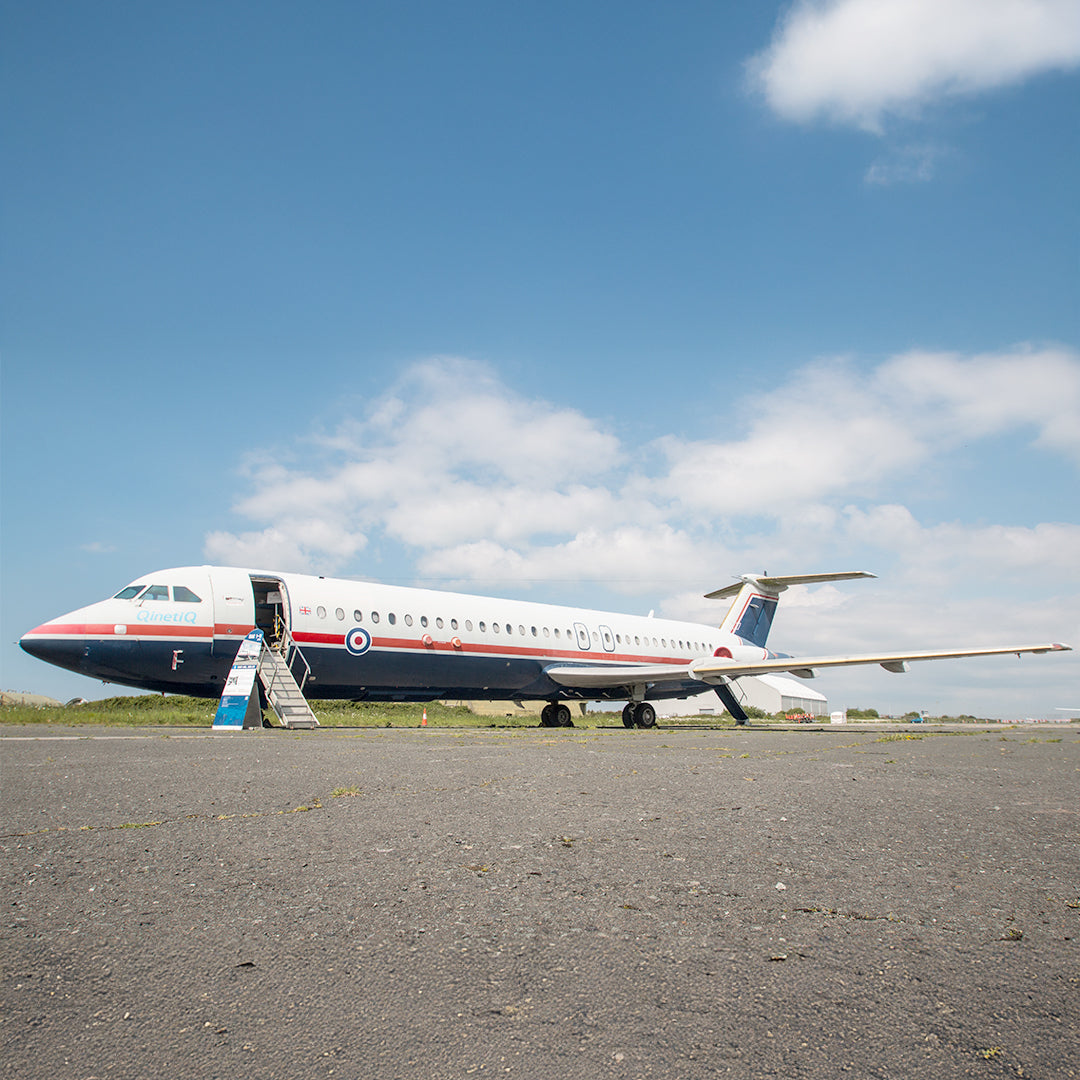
x=498, y=628
x=181, y=594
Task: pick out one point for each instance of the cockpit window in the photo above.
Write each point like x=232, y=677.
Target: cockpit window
x=183, y=595
x=129, y=592
x=156, y=592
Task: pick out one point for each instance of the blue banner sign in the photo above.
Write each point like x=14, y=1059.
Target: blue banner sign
x=240, y=688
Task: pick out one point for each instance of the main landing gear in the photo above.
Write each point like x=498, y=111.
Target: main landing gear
x=556, y=714
x=639, y=714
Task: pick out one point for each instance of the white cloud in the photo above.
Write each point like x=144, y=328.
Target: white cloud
x=829, y=430
x=858, y=61
x=1047, y=553
x=972, y=397
x=626, y=558
x=548, y=481
x=447, y=455
x=913, y=164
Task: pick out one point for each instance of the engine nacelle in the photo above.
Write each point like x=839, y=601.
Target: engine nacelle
x=744, y=654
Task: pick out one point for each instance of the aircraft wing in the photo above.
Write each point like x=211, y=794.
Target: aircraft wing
x=714, y=669
x=718, y=669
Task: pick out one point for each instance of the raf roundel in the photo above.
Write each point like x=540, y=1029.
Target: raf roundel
x=357, y=641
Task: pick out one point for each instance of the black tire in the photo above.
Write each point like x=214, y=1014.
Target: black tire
x=561, y=716
x=628, y=716
x=645, y=715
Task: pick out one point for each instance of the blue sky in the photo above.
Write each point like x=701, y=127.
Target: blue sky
x=593, y=302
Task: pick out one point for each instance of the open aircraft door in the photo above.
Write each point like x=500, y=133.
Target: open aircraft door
x=271, y=606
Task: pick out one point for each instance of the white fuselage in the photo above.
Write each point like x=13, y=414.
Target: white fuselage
x=178, y=630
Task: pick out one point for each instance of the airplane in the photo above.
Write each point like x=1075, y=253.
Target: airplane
x=179, y=631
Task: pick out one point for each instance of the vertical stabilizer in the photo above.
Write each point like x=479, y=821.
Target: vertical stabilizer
x=751, y=613
x=756, y=596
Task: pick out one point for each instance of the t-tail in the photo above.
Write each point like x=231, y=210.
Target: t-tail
x=751, y=614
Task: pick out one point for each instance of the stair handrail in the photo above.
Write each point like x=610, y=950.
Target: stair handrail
x=290, y=651
x=264, y=660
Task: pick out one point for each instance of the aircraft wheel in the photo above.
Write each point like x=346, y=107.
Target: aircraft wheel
x=645, y=715
x=561, y=715
x=628, y=715
x=546, y=718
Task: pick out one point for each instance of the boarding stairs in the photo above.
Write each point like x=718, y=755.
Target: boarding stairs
x=279, y=664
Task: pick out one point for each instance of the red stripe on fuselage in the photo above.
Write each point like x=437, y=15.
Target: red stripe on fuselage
x=133, y=630
x=491, y=651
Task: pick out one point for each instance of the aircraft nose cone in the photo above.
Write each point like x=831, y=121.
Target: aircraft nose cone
x=64, y=652
x=35, y=643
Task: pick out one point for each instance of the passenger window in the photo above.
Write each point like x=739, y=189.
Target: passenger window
x=408, y=620
x=533, y=629
x=321, y=611
x=391, y=618
x=340, y=614
x=495, y=627
x=423, y=620
x=156, y=592
x=468, y=624
x=453, y=624
x=358, y=616
x=375, y=616
x=509, y=628
x=183, y=595
x=439, y=622
x=483, y=628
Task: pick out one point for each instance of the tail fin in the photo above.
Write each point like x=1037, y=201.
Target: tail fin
x=751, y=613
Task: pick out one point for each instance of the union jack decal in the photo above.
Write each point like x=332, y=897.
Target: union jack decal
x=305, y=611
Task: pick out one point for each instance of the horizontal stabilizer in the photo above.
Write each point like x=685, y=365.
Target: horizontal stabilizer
x=779, y=584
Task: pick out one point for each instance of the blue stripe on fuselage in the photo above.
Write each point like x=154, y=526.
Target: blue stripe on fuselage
x=390, y=675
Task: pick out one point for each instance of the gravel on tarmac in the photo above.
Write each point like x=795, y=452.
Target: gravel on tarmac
x=540, y=903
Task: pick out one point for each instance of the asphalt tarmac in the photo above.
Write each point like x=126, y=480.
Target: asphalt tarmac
x=540, y=903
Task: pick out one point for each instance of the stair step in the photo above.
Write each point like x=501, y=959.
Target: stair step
x=285, y=696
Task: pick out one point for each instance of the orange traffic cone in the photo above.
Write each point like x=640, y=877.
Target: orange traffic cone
x=423, y=722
